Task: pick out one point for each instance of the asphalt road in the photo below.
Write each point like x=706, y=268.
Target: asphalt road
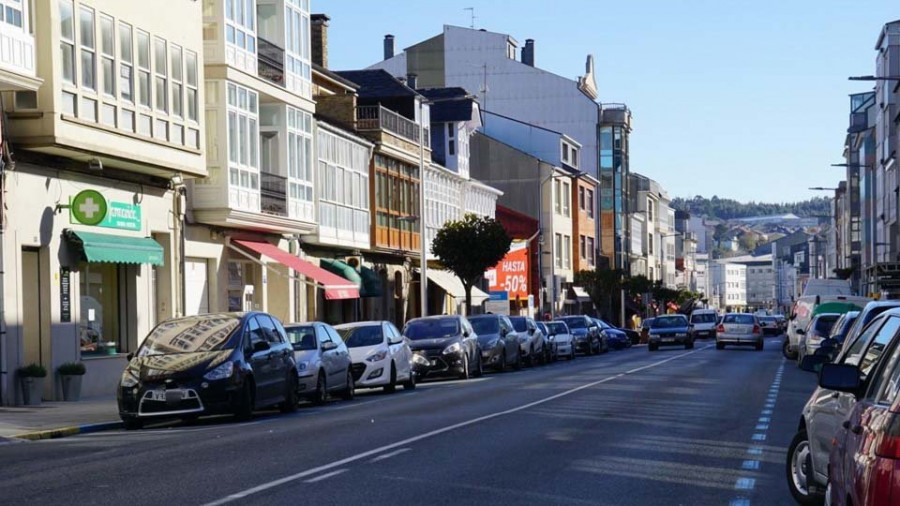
x=677, y=426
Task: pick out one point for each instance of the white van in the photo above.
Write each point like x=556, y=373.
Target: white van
x=808, y=306
x=704, y=322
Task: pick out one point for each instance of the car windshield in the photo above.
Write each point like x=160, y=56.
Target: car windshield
x=603, y=324
x=486, y=325
x=703, y=318
x=767, y=319
x=740, y=319
x=557, y=328
x=823, y=324
x=519, y=323
x=668, y=322
x=840, y=331
x=302, y=337
x=209, y=332
x=576, y=322
x=432, y=329
x=366, y=335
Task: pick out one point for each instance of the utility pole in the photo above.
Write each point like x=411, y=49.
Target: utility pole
x=472, y=14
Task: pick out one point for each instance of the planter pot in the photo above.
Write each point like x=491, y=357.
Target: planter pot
x=71, y=387
x=32, y=388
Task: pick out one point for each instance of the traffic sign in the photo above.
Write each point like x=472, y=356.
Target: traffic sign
x=88, y=207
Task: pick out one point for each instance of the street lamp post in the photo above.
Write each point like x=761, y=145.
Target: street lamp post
x=423, y=276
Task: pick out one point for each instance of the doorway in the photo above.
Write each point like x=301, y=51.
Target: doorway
x=35, y=338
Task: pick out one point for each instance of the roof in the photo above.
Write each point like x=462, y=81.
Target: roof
x=449, y=104
x=377, y=84
x=334, y=77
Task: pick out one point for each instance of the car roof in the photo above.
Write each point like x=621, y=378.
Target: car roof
x=369, y=323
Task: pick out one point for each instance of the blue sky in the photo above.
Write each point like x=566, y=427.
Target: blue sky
x=746, y=99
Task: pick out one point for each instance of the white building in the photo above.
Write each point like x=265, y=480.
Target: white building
x=761, y=280
x=729, y=283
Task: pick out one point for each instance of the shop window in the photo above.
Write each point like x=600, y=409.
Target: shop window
x=99, y=324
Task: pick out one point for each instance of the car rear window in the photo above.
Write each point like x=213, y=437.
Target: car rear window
x=703, y=318
x=573, y=323
x=557, y=328
x=740, y=319
x=431, y=329
x=358, y=337
x=485, y=325
x=824, y=324
x=302, y=337
x=519, y=323
x=668, y=322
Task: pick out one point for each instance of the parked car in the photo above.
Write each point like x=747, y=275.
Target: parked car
x=782, y=323
x=379, y=355
x=828, y=408
x=531, y=339
x=769, y=325
x=499, y=341
x=866, y=315
x=670, y=329
x=323, y=361
x=864, y=462
x=634, y=336
x=842, y=327
x=615, y=338
x=209, y=364
x=739, y=329
x=563, y=344
x=548, y=344
x=808, y=306
x=704, y=322
x=585, y=332
x=818, y=330
x=448, y=343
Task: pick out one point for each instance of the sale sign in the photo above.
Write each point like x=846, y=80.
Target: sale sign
x=511, y=274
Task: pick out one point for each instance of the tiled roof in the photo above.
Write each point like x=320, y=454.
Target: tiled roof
x=377, y=84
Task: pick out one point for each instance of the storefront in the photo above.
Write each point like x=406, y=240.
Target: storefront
x=90, y=267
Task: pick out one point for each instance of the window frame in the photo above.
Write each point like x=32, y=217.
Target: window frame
x=84, y=49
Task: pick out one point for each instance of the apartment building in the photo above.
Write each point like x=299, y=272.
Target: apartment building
x=729, y=285
x=105, y=126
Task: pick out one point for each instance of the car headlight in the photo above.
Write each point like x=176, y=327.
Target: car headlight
x=221, y=372
x=453, y=348
x=551, y=338
x=377, y=356
x=129, y=378
x=419, y=359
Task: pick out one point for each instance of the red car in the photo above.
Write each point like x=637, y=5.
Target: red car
x=864, y=465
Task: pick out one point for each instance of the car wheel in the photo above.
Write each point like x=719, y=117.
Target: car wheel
x=290, y=394
x=410, y=383
x=392, y=386
x=572, y=353
x=464, y=375
x=479, y=371
x=720, y=346
x=321, y=393
x=799, y=469
x=501, y=365
x=760, y=345
x=785, y=350
x=132, y=423
x=245, y=401
x=590, y=348
x=689, y=345
x=350, y=392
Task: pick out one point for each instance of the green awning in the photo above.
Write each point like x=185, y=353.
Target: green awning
x=835, y=307
x=117, y=249
x=341, y=268
x=371, y=283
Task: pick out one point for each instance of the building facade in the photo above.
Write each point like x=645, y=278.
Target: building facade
x=729, y=285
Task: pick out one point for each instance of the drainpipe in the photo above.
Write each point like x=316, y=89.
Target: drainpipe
x=180, y=210
x=5, y=157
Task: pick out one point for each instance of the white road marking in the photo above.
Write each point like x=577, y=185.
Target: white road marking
x=750, y=465
x=406, y=442
x=745, y=484
x=326, y=476
x=389, y=455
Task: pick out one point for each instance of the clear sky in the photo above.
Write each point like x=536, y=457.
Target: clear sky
x=746, y=99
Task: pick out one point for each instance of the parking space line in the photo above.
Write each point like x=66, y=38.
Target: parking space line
x=389, y=455
x=326, y=476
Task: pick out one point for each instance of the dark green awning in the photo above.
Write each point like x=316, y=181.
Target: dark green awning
x=341, y=268
x=371, y=283
x=117, y=249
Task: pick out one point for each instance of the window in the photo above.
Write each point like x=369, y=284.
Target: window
x=567, y=197
x=176, y=60
x=99, y=323
x=650, y=244
x=565, y=152
x=11, y=12
x=240, y=25
x=590, y=203
x=160, y=71
x=300, y=163
x=592, y=259
x=126, y=63
x=574, y=157
x=88, y=56
x=581, y=198
x=108, y=55
x=881, y=341
x=885, y=387
x=297, y=47
x=567, y=251
x=558, y=251
x=583, y=247
x=190, y=61
x=243, y=137
x=143, y=58
x=557, y=201
x=451, y=139
x=67, y=40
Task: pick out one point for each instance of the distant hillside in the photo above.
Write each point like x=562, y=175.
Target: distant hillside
x=728, y=209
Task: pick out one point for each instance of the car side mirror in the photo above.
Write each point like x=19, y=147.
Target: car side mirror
x=813, y=363
x=329, y=345
x=129, y=356
x=504, y=332
x=840, y=377
x=260, y=346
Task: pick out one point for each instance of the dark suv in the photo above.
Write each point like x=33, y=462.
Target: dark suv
x=448, y=344
x=585, y=332
x=209, y=364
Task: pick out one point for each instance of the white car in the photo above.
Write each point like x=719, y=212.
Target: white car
x=531, y=339
x=561, y=340
x=380, y=355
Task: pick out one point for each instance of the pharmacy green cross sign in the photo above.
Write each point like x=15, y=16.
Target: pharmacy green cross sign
x=88, y=207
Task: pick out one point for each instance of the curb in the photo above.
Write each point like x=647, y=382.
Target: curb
x=68, y=431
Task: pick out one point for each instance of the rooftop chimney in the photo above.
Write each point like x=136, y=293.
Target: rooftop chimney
x=319, y=36
x=528, y=53
x=411, y=80
x=388, y=46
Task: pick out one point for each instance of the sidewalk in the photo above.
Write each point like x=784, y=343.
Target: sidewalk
x=59, y=419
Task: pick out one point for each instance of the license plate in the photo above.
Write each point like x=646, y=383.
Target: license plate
x=158, y=395
x=433, y=363
x=170, y=396
x=668, y=340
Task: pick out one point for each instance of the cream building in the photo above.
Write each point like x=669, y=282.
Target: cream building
x=104, y=127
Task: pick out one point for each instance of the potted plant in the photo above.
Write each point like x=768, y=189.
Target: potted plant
x=70, y=375
x=32, y=380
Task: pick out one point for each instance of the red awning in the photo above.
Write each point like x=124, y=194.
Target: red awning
x=335, y=287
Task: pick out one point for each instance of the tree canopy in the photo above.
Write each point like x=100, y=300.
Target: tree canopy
x=469, y=247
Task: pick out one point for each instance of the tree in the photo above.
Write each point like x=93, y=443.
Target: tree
x=469, y=247
x=603, y=286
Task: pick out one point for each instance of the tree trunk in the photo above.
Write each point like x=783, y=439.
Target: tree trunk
x=468, y=287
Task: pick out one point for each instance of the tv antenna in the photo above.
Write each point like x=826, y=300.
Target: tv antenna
x=472, y=14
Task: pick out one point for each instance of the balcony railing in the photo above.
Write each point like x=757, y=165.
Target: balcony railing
x=273, y=194
x=376, y=117
x=271, y=62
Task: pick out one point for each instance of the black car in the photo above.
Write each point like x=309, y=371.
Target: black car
x=448, y=343
x=499, y=341
x=209, y=364
x=672, y=329
x=585, y=332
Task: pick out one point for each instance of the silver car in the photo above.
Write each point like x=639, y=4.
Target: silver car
x=740, y=329
x=323, y=361
x=811, y=337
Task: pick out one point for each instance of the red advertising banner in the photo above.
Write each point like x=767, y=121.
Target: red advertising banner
x=511, y=274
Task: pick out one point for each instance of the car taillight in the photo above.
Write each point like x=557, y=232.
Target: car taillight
x=756, y=329
x=720, y=328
